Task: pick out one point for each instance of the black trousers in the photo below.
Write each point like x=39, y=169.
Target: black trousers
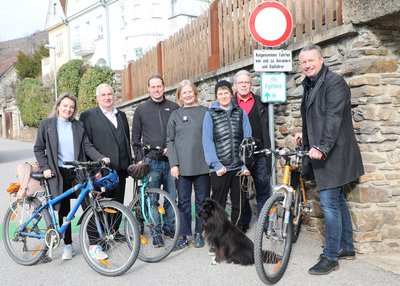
x=68, y=176
x=220, y=189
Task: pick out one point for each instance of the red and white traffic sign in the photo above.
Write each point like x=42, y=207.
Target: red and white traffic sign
x=270, y=23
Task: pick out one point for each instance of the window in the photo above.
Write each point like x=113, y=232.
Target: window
x=77, y=37
x=59, y=44
x=136, y=9
x=99, y=20
x=122, y=10
x=156, y=9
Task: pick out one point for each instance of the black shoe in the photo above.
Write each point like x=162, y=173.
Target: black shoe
x=158, y=241
x=169, y=233
x=324, y=266
x=347, y=254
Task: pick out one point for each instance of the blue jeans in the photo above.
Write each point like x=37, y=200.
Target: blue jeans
x=185, y=184
x=160, y=175
x=339, y=230
x=263, y=189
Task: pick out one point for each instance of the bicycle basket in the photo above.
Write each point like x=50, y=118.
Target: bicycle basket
x=108, y=179
x=138, y=171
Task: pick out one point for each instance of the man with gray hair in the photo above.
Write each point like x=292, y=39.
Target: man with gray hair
x=258, y=116
x=108, y=130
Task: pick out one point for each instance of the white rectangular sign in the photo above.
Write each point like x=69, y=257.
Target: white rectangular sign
x=273, y=87
x=272, y=60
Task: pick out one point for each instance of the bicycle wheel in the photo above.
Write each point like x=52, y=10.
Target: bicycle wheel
x=119, y=238
x=297, y=216
x=160, y=230
x=25, y=250
x=297, y=201
x=272, y=244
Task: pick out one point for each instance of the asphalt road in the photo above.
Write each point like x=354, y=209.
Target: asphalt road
x=190, y=266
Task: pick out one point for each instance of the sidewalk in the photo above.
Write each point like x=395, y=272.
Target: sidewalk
x=190, y=266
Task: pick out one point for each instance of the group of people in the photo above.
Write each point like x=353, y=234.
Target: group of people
x=200, y=149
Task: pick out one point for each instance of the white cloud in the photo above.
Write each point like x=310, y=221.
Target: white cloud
x=20, y=18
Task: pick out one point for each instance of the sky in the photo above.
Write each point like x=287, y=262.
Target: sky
x=20, y=18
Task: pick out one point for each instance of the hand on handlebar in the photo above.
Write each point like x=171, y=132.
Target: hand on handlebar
x=47, y=173
x=315, y=154
x=106, y=160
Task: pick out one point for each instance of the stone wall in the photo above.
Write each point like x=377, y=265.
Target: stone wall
x=368, y=58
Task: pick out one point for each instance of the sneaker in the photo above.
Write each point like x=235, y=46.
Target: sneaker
x=158, y=241
x=198, y=240
x=347, y=254
x=211, y=251
x=324, y=266
x=96, y=252
x=181, y=243
x=68, y=252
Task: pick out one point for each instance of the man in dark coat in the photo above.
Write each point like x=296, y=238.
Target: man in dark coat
x=260, y=168
x=107, y=128
x=335, y=158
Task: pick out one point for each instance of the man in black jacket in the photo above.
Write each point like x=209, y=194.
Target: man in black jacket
x=149, y=126
x=108, y=130
x=335, y=158
x=258, y=116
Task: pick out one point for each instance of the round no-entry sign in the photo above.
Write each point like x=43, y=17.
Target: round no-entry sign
x=270, y=23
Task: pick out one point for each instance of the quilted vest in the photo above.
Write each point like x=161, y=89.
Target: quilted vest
x=228, y=134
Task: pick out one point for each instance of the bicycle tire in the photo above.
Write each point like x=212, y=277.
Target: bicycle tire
x=299, y=215
x=158, y=239
x=297, y=201
x=120, y=241
x=25, y=250
x=271, y=249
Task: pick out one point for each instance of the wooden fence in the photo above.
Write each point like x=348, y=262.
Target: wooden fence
x=221, y=37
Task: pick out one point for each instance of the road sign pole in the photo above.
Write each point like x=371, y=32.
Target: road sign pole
x=271, y=127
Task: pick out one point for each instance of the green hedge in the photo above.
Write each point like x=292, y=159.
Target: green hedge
x=34, y=101
x=69, y=76
x=87, y=86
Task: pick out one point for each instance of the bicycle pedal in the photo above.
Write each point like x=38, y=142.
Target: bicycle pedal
x=46, y=259
x=308, y=208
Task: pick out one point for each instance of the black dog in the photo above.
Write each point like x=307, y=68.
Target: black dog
x=230, y=243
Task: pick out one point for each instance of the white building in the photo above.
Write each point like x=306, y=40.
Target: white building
x=113, y=32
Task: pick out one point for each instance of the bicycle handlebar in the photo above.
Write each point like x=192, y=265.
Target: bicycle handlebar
x=99, y=163
x=282, y=152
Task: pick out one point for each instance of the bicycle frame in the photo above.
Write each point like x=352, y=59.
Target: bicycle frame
x=50, y=203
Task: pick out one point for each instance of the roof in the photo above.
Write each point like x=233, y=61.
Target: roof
x=7, y=64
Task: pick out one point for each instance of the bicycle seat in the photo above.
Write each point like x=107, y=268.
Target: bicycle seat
x=37, y=176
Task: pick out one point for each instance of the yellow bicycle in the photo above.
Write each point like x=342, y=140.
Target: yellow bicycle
x=279, y=223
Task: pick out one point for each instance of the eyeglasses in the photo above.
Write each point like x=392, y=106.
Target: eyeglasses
x=243, y=82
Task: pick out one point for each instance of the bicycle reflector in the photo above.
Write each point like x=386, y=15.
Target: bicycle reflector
x=109, y=181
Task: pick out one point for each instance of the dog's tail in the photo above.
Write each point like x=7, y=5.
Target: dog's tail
x=271, y=257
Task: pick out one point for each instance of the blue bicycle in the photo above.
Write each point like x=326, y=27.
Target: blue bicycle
x=31, y=233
